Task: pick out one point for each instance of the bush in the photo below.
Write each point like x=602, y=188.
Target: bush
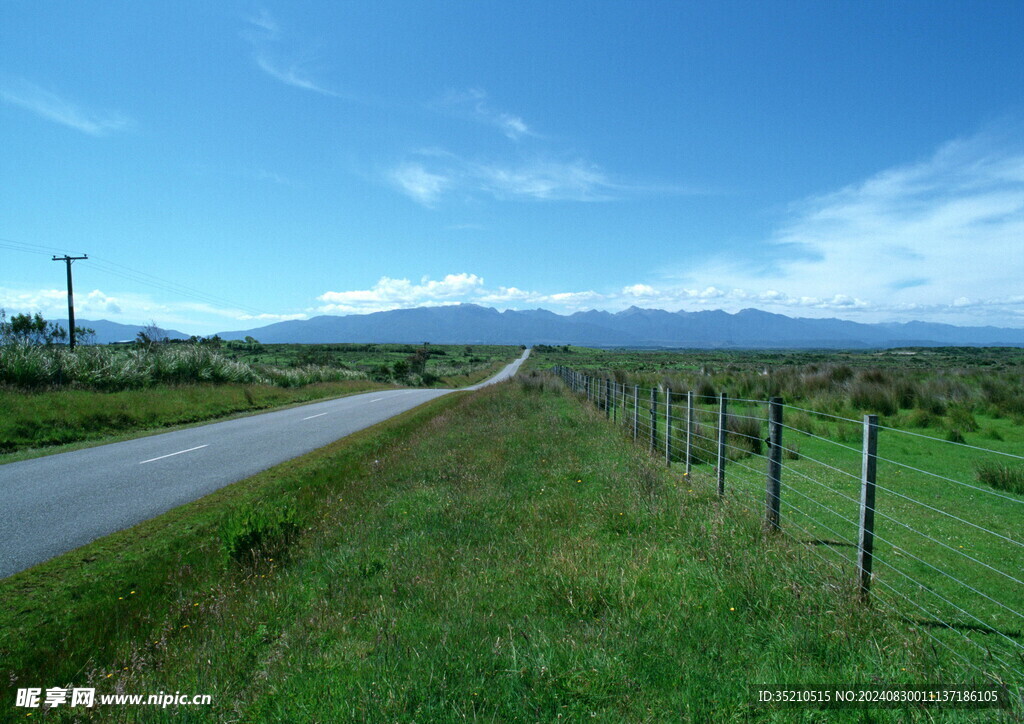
x=921, y=418
x=745, y=432
x=960, y=418
x=705, y=391
x=1001, y=477
x=874, y=397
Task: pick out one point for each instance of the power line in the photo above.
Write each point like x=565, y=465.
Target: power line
x=111, y=268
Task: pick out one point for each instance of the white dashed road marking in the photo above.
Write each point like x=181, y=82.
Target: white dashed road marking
x=170, y=455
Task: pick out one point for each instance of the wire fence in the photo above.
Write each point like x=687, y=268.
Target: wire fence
x=908, y=519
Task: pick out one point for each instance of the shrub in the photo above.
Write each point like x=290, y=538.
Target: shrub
x=705, y=391
x=960, y=418
x=745, y=432
x=921, y=418
x=992, y=433
x=874, y=397
x=840, y=374
x=1001, y=477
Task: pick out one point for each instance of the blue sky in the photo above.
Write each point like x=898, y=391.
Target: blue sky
x=227, y=165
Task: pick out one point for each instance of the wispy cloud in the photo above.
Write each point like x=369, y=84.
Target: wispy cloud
x=275, y=178
x=422, y=185
x=546, y=181
x=279, y=59
x=473, y=104
x=24, y=94
x=939, y=236
x=432, y=176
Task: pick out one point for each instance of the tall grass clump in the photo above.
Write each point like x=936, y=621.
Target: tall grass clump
x=1001, y=477
x=258, y=531
x=745, y=434
x=874, y=397
x=538, y=382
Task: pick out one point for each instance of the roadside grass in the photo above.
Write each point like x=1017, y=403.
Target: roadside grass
x=39, y=420
x=478, y=375
x=499, y=556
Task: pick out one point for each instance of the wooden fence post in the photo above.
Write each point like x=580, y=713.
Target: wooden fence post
x=607, y=397
x=722, y=431
x=774, y=483
x=689, y=429
x=654, y=419
x=866, y=539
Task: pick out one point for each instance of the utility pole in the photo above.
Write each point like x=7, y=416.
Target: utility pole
x=71, y=296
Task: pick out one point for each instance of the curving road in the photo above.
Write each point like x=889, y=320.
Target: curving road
x=55, y=504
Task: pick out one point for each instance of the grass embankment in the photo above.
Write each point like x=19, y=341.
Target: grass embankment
x=503, y=556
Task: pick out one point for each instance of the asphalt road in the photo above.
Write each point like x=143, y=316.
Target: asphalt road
x=54, y=504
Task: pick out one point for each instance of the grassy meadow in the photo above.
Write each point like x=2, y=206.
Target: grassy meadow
x=949, y=545
x=505, y=555
x=53, y=396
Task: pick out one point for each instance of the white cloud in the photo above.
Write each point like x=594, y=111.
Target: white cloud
x=131, y=308
x=389, y=293
x=280, y=59
x=546, y=180
x=44, y=103
x=438, y=173
x=420, y=184
x=917, y=238
x=473, y=104
x=639, y=290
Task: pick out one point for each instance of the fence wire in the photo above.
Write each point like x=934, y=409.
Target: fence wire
x=932, y=559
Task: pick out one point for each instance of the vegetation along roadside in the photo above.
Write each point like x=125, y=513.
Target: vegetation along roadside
x=505, y=556
x=53, y=396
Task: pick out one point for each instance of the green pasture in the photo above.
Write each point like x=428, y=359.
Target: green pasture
x=949, y=546
x=504, y=555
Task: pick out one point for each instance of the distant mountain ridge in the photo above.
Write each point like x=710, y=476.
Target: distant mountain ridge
x=633, y=327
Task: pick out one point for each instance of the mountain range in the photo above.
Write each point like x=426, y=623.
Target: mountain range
x=633, y=327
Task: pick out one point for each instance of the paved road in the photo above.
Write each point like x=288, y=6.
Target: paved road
x=55, y=504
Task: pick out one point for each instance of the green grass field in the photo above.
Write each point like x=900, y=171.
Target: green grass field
x=505, y=555
x=948, y=540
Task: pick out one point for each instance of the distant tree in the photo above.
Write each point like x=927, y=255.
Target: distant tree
x=400, y=369
x=418, y=360
x=30, y=329
x=150, y=336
